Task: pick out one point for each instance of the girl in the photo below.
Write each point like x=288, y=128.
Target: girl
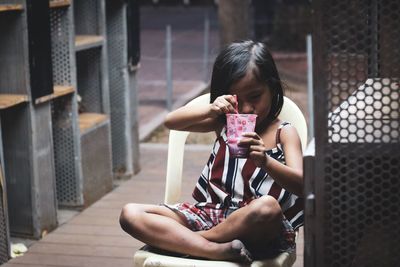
x=246, y=208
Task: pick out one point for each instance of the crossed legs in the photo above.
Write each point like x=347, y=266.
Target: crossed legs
x=161, y=227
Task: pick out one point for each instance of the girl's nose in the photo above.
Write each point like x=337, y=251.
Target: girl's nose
x=247, y=108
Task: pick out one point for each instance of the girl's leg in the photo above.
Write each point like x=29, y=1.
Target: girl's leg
x=255, y=224
x=160, y=227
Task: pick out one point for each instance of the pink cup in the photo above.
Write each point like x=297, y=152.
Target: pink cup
x=236, y=125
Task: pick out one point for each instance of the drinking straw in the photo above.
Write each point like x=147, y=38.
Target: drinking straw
x=236, y=104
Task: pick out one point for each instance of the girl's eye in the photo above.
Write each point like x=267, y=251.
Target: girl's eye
x=256, y=96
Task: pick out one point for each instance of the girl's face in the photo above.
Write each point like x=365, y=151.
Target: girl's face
x=253, y=97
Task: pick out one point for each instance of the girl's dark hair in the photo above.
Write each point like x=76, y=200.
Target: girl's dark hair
x=235, y=60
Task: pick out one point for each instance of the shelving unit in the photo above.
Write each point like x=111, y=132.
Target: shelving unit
x=57, y=89
x=122, y=100
x=79, y=62
x=25, y=129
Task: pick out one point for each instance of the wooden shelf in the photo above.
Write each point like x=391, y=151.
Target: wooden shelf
x=5, y=8
x=60, y=3
x=59, y=90
x=83, y=42
x=88, y=121
x=10, y=100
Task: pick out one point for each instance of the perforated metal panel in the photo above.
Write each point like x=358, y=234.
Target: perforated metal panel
x=66, y=138
x=64, y=111
x=119, y=86
x=357, y=163
x=60, y=21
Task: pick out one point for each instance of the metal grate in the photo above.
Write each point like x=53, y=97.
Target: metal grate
x=357, y=141
x=61, y=46
x=64, y=110
x=64, y=136
x=119, y=86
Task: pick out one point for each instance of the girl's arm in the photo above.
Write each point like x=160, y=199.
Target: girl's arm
x=289, y=176
x=200, y=118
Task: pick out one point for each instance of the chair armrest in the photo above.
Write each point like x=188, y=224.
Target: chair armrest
x=176, y=149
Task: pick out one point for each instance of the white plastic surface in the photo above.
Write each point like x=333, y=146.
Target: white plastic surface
x=176, y=148
x=149, y=259
x=292, y=113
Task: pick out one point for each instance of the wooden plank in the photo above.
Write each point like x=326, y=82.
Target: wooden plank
x=60, y=3
x=12, y=264
x=59, y=90
x=88, y=121
x=88, y=41
x=72, y=261
x=90, y=220
x=105, y=230
x=82, y=250
x=90, y=240
x=10, y=100
x=5, y=8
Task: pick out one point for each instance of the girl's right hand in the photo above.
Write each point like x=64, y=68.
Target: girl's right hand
x=222, y=105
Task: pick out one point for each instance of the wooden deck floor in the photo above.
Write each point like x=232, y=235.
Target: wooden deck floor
x=93, y=238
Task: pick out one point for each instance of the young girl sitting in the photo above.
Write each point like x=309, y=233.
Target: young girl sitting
x=247, y=208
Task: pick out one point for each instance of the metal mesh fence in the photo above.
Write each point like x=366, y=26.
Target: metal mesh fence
x=357, y=141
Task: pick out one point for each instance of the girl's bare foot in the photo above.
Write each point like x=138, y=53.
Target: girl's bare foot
x=235, y=251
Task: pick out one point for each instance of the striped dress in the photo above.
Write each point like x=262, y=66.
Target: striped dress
x=234, y=182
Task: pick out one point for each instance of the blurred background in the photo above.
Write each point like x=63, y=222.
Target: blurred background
x=198, y=29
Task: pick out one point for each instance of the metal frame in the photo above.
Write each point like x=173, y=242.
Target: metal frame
x=86, y=70
x=352, y=200
x=123, y=129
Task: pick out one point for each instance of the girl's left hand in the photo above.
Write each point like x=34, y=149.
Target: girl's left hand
x=256, y=148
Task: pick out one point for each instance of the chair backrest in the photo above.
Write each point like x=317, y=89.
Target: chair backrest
x=177, y=139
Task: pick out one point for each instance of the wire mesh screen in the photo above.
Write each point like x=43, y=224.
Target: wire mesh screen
x=357, y=61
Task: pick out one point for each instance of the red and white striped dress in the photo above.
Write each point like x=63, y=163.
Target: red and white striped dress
x=234, y=182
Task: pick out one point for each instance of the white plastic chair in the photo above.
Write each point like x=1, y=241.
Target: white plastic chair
x=177, y=139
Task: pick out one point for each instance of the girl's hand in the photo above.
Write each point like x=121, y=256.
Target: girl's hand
x=256, y=148
x=222, y=105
